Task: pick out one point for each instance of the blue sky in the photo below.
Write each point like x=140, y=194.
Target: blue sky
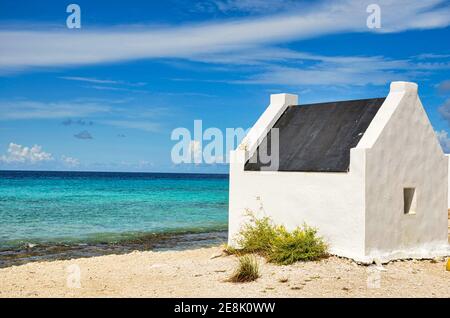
x=106, y=97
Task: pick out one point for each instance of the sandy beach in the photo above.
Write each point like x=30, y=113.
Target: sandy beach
x=203, y=272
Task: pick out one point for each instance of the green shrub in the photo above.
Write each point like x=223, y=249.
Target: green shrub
x=257, y=236
x=229, y=250
x=302, y=244
x=247, y=270
x=277, y=244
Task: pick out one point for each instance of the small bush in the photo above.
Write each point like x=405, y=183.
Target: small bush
x=257, y=236
x=302, y=244
x=229, y=250
x=277, y=244
x=247, y=270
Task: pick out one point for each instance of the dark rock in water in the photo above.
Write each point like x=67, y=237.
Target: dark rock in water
x=42, y=252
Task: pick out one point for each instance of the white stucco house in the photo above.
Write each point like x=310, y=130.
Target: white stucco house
x=369, y=174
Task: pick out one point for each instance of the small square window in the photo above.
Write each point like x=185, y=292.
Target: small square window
x=409, y=201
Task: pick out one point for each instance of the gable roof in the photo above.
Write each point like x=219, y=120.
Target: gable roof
x=318, y=137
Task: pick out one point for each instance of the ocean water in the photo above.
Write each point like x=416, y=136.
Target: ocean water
x=92, y=208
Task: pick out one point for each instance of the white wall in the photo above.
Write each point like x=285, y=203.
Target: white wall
x=402, y=151
x=332, y=202
x=448, y=198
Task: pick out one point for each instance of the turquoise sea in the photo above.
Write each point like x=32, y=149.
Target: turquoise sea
x=41, y=210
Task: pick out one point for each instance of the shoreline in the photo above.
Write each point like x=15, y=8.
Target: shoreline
x=146, y=242
x=203, y=272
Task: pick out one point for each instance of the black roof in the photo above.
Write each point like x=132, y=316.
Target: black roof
x=318, y=137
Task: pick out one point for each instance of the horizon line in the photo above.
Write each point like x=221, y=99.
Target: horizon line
x=136, y=172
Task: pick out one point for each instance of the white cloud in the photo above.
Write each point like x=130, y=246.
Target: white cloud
x=301, y=68
x=261, y=56
x=118, y=89
x=118, y=115
x=89, y=80
x=432, y=56
x=444, y=140
x=27, y=109
x=253, y=6
x=21, y=154
x=70, y=162
x=133, y=124
x=22, y=49
x=145, y=164
x=100, y=81
x=320, y=76
x=281, y=66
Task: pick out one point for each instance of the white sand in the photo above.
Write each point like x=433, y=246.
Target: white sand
x=195, y=273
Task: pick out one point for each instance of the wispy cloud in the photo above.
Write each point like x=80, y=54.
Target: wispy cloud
x=107, y=84
x=134, y=124
x=117, y=89
x=288, y=67
x=27, y=109
x=24, y=49
x=432, y=56
x=89, y=80
x=101, y=81
x=335, y=74
x=105, y=112
x=249, y=6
